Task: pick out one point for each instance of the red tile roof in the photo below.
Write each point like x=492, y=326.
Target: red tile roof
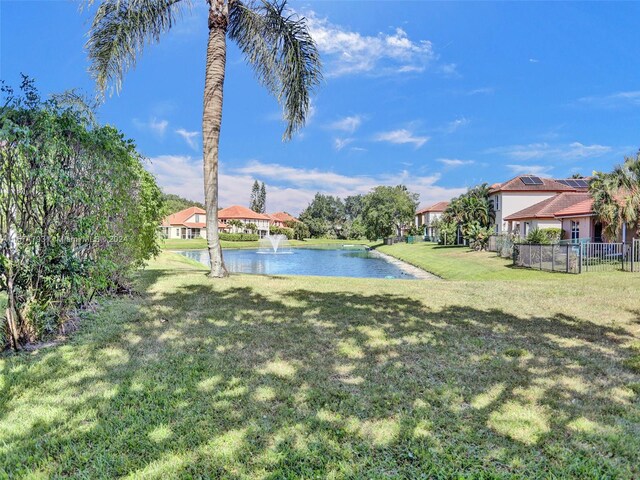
x=240, y=212
x=436, y=207
x=180, y=217
x=282, y=217
x=548, y=208
x=579, y=209
x=517, y=185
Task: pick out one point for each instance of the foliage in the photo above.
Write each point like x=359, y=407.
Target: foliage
x=78, y=212
x=175, y=203
x=258, y=200
x=252, y=227
x=301, y=231
x=239, y=237
x=287, y=232
x=325, y=216
x=478, y=236
x=387, y=210
x=448, y=232
x=234, y=222
x=616, y=197
x=544, y=236
x=470, y=210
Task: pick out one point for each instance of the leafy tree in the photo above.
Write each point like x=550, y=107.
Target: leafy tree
x=387, y=210
x=301, y=231
x=175, y=203
x=275, y=42
x=616, y=197
x=325, y=216
x=254, y=202
x=78, y=212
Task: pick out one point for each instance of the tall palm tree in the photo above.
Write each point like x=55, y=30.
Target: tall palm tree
x=275, y=42
x=616, y=197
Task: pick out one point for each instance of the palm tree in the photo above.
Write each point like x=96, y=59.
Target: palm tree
x=275, y=42
x=616, y=197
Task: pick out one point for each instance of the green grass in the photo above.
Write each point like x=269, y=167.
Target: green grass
x=201, y=243
x=462, y=263
x=290, y=377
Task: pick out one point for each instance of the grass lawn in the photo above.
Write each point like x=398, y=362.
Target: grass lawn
x=462, y=263
x=290, y=377
x=201, y=243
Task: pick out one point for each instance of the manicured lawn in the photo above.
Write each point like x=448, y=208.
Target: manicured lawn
x=301, y=377
x=461, y=263
x=201, y=243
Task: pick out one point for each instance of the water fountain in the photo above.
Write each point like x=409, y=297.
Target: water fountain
x=275, y=244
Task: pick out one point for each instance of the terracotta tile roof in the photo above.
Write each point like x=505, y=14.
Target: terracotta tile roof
x=282, y=217
x=240, y=212
x=180, y=217
x=517, y=185
x=436, y=207
x=579, y=209
x=548, y=208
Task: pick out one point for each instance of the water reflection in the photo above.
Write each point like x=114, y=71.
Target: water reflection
x=303, y=261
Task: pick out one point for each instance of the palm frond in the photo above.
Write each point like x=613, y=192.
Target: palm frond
x=78, y=102
x=120, y=31
x=282, y=53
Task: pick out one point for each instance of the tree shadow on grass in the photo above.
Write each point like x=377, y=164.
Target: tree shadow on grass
x=215, y=379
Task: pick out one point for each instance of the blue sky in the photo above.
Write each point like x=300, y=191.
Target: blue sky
x=439, y=96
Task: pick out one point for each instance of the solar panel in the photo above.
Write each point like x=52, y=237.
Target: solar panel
x=527, y=180
x=581, y=183
x=563, y=182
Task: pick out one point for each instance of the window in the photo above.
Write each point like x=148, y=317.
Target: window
x=496, y=203
x=197, y=218
x=177, y=232
x=575, y=230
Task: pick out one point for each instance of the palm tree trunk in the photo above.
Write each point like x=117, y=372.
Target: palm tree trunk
x=211, y=122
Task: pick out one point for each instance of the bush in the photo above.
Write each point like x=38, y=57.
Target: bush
x=300, y=231
x=544, y=236
x=275, y=230
x=79, y=207
x=240, y=237
x=478, y=236
x=448, y=232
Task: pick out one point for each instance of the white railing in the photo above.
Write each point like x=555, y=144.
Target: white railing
x=603, y=257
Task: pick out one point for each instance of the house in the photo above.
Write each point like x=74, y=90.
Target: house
x=543, y=214
x=187, y=223
x=280, y=219
x=245, y=216
x=426, y=216
x=525, y=191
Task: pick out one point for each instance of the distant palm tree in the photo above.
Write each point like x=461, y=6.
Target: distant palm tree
x=275, y=42
x=616, y=197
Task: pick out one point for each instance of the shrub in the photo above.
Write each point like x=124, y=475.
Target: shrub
x=300, y=231
x=239, y=237
x=275, y=230
x=78, y=212
x=544, y=236
x=478, y=236
x=448, y=232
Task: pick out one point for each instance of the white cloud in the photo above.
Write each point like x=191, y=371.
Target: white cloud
x=347, y=124
x=340, y=143
x=456, y=124
x=534, y=60
x=348, y=52
x=613, y=100
x=571, y=151
x=481, y=91
x=454, y=162
x=189, y=137
x=288, y=188
x=449, y=70
x=401, y=136
x=531, y=169
x=158, y=127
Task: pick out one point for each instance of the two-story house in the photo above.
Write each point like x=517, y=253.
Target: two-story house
x=426, y=216
x=525, y=191
x=188, y=223
x=246, y=216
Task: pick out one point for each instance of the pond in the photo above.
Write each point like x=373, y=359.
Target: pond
x=306, y=261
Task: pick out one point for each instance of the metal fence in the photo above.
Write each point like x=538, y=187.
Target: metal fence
x=501, y=244
x=635, y=255
x=552, y=258
x=605, y=257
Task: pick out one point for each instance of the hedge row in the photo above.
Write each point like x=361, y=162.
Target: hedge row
x=239, y=237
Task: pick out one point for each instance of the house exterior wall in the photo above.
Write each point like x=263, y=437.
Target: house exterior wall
x=507, y=203
x=263, y=225
x=517, y=226
x=585, y=224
